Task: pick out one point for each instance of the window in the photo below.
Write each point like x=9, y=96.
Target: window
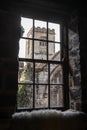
x=41, y=66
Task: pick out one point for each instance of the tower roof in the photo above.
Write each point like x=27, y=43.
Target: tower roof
x=41, y=30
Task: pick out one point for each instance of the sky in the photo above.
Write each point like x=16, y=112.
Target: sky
x=27, y=25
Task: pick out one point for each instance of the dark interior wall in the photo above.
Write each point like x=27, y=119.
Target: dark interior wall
x=83, y=53
x=41, y=11
x=9, y=37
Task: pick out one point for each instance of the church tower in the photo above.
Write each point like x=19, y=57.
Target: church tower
x=40, y=43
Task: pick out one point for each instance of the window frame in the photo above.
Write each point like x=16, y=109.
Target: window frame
x=64, y=62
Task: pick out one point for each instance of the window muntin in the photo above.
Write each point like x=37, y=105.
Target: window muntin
x=41, y=69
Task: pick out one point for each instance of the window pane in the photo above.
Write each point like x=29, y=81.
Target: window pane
x=54, y=32
x=22, y=48
x=27, y=27
x=41, y=73
x=56, y=96
x=56, y=75
x=40, y=50
x=25, y=73
x=25, y=48
x=25, y=96
x=54, y=51
x=41, y=96
x=29, y=49
x=40, y=31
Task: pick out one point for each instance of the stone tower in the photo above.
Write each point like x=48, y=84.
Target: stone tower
x=40, y=44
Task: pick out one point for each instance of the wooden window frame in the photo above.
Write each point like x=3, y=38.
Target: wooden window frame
x=63, y=62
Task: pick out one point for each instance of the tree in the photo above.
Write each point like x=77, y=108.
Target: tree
x=25, y=96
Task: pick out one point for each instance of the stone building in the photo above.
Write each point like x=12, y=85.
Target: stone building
x=40, y=46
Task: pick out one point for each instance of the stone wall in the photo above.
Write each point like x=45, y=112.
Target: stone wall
x=83, y=51
x=74, y=65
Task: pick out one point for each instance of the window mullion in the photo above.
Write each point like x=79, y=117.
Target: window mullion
x=33, y=66
x=47, y=41
x=33, y=40
x=34, y=85
x=48, y=71
x=49, y=86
